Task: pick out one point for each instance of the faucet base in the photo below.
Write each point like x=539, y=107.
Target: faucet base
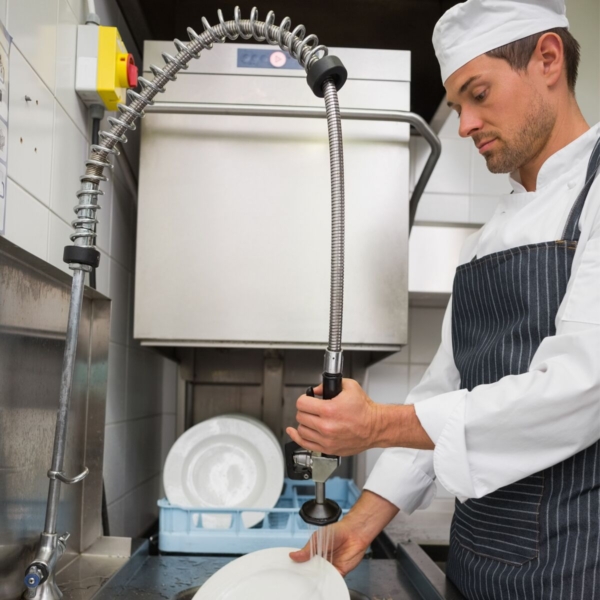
x=46, y=591
x=50, y=550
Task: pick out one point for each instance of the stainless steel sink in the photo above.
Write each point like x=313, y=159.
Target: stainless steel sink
x=409, y=576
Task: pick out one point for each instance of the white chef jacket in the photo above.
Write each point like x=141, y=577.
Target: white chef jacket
x=500, y=433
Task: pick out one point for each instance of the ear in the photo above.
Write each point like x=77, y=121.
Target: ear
x=549, y=56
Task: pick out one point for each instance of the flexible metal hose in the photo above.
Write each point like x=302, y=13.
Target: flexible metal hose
x=336, y=158
x=306, y=50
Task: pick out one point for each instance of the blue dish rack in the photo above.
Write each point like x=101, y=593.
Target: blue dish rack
x=184, y=530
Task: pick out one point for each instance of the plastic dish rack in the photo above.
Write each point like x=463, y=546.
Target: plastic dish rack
x=222, y=530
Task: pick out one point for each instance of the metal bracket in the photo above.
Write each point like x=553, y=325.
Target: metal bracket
x=60, y=476
x=323, y=467
x=318, y=467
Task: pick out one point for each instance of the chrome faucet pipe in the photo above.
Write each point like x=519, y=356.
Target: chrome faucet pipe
x=66, y=385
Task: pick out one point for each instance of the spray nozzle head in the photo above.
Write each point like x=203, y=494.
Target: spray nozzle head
x=321, y=514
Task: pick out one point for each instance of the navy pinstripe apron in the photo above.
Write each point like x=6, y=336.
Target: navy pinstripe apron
x=538, y=538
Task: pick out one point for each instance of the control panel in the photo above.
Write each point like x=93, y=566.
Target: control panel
x=253, y=58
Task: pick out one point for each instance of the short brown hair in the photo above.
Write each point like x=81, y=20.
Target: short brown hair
x=519, y=53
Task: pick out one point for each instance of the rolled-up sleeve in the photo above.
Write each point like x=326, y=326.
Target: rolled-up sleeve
x=403, y=476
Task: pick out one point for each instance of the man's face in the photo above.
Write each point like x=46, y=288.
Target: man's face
x=504, y=111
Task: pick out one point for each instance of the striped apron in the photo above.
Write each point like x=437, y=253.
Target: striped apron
x=538, y=538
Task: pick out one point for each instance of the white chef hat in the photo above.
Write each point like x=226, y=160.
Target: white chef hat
x=475, y=27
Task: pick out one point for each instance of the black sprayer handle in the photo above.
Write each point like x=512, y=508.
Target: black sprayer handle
x=332, y=385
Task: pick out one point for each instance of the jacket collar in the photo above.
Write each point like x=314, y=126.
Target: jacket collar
x=567, y=160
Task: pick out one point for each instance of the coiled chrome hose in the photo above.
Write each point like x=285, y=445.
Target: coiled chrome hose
x=305, y=49
x=336, y=159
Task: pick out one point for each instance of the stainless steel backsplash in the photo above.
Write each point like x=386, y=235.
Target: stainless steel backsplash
x=34, y=302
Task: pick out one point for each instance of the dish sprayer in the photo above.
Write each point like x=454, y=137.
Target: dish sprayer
x=325, y=75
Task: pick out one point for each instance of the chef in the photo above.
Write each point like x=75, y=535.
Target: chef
x=507, y=417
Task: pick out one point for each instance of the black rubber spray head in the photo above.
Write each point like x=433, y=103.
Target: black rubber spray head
x=318, y=514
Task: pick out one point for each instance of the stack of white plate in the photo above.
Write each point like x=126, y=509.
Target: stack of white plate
x=225, y=462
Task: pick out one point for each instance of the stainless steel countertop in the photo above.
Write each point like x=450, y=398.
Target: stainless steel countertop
x=412, y=577
x=87, y=573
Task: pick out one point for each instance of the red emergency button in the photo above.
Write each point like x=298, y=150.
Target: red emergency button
x=132, y=72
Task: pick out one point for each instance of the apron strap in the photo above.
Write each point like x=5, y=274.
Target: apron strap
x=572, y=231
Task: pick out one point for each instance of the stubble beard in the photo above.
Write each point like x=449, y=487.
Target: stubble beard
x=524, y=145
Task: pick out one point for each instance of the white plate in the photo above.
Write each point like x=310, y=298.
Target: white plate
x=272, y=575
x=225, y=462
x=260, y=424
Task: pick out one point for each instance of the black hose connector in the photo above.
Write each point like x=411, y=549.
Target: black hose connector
x=82, y=255
x=328, y=67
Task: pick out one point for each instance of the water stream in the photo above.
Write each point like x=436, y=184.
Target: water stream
x=322, y=543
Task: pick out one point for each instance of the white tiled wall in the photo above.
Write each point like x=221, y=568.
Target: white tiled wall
x=48, y=142
x=461, y=189
x=584, y=17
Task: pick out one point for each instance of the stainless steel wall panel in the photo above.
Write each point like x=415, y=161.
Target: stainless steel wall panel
x=34, y=300
x=245, y=214
x=96, y=416
x=214, y=400
x=228, y=366
x=304, y=368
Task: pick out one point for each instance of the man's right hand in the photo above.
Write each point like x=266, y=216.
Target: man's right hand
x=354, y=533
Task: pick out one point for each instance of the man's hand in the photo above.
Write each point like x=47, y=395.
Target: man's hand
x=351, y=423
x=344, y=426
x=353, y=534
x=347, y=549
